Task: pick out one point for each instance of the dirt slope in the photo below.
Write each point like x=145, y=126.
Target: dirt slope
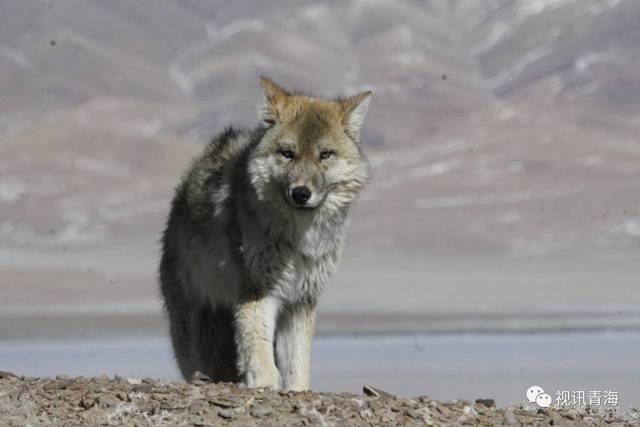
x=118, y=401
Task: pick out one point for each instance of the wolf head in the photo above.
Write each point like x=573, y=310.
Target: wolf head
x=310, y=158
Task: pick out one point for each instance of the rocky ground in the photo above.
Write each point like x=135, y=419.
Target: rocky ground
x=66, y=401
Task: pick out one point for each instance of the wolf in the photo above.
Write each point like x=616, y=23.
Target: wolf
x=255, y=230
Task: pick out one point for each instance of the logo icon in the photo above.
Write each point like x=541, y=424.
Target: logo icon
x=535, y=394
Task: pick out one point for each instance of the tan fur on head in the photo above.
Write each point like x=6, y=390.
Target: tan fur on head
x=321, y=140
x=283, y=106
x=275, y=99
x=353, y=112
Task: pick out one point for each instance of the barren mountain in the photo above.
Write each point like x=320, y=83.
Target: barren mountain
x=502, y=126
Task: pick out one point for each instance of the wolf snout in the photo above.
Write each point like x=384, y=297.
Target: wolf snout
x=301, y=195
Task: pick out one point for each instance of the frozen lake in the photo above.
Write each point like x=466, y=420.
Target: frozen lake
x=447, y=366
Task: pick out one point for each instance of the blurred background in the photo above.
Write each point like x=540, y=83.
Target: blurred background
x=500, y=231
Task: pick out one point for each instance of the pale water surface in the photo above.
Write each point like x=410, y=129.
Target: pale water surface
x=501, y=366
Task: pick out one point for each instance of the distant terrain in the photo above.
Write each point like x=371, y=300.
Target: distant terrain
x=503, y=139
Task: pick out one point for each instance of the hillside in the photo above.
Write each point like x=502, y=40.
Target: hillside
x=503, y=139
x=491, y=120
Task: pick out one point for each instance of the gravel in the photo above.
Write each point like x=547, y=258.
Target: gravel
x=81, y=401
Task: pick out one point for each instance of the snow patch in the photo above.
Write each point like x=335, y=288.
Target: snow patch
x=16, y=56
x=632, y=227
x=11, y=191
x=316, y=11
x=533, y=7
x=433, y=169
x=510, y=217
x=498, y=31
x=506, y=76
x=490, y=199
x=236, y=27
x=152, y=128
x=181, y=79
x=124, y=212
x=591, y=161
x=100, y=167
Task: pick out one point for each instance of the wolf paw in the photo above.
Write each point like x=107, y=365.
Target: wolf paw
x=263, y=377
x=299, y=385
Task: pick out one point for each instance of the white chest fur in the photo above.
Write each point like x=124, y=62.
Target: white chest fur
x=310, y=260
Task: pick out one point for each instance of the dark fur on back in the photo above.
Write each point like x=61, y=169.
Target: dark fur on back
x=201, y=334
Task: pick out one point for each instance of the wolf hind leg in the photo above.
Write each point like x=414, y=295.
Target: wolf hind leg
x=181, y=344
x=213, y=348
x=178, y=310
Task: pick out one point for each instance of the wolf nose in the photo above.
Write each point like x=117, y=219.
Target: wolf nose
x=301, y=195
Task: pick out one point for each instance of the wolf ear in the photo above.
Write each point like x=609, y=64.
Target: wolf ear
x=274, y=99
x=353, y=111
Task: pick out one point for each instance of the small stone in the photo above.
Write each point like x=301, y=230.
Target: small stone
x=443, y=410
x=469, y=410
x=199, y=376
x=489, y=403
x=107, y=400
x=87, y=402
x=222, y=403
x=366, y=413
x=227, y=413
x=374, y=405
x=376, y=392
x=5, y=374
x=260, y=411
x=510, y=417
x=142, y=388
x=87, y=416
x=57, y=385
x=199, y=407
x=425, y=414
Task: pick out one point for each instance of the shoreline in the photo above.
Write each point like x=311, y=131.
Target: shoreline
x=445, y=366
x=35, y=323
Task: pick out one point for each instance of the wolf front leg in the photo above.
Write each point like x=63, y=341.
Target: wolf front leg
x=294, y=334
x=255, y=327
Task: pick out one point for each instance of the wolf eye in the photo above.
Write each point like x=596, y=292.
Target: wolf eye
x=287, y=154
x=325, y=155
